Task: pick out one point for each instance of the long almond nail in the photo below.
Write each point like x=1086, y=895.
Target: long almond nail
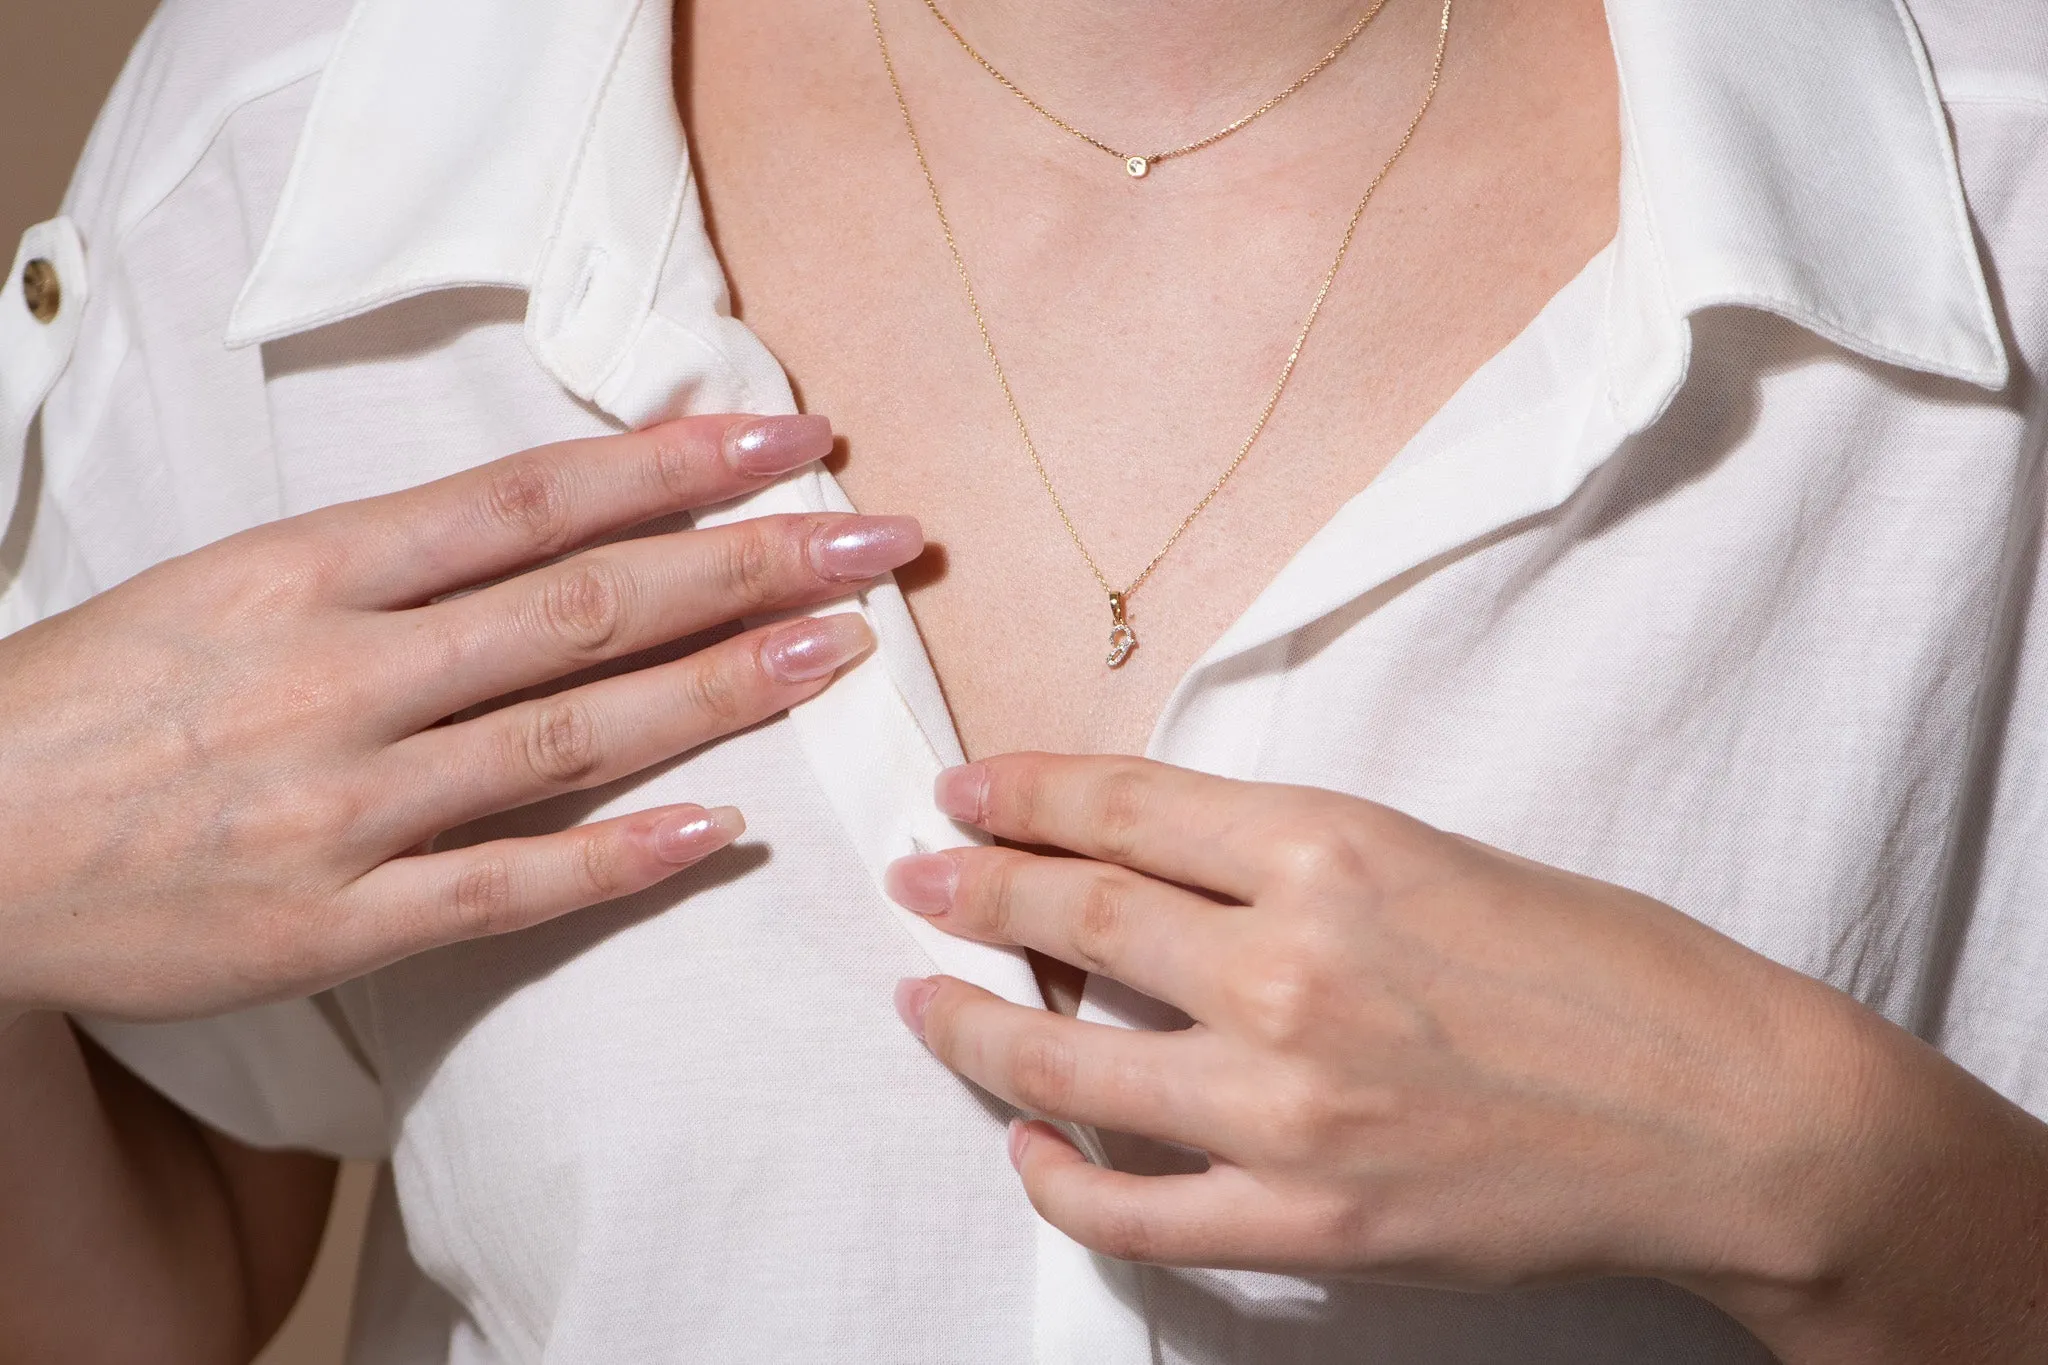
x=690, y=834
x=766, y=446
x=853, y=549
x=807, y=650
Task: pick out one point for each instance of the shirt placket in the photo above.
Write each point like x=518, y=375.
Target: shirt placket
x=42, y=301
x=876, y=759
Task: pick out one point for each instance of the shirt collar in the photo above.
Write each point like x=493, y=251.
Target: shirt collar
x=453, y=143
x=1794, y=159
x=1789, y=158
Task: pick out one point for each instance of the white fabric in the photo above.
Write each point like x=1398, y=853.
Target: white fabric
x=1721, y=581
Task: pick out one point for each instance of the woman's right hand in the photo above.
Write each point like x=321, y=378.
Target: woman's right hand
x=219, y=775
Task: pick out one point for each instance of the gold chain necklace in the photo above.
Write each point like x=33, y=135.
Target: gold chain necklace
x=1122, y=638
x=1137, y=166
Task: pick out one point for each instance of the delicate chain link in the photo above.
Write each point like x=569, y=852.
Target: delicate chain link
x=1436, y=71
x=1155, y=158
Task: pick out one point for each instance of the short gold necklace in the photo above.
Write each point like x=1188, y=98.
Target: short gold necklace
x=1122, y=638
x=1137, y=166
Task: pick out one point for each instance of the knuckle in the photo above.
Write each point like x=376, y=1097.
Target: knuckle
x=481, y=901
x=529, y=497
x=1317, y=851
x=1017, y=789
x=750, y=571
x=445, y=644
x=276, y=574
x=1101, y=919
x=600, y=867
x=1125, y=1231
x=583, y=608
x=560, y=744
x=719, y=691
x=675, y=468
x=1117, y=810
x=988, y=892
x=1279, y=998
x=254, y=822
x=312, y=693
x=322, y=564
x=1042, y=1071
x=317, y=816
x=1297, y=1117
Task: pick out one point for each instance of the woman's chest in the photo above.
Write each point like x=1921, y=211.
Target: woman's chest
x=1064, y=429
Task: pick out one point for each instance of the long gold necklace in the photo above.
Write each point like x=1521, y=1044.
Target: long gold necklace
x=1122, y=638
x=1136, y=166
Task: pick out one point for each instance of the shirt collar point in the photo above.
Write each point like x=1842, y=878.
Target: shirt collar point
x=253, y=322
x=1855, y=228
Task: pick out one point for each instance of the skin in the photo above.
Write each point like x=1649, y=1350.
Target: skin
x=253, y=747
x=1415, y=1058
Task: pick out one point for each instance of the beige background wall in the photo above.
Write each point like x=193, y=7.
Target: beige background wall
x=57, y=60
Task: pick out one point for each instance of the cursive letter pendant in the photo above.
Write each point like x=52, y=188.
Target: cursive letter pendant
x=1122, y=639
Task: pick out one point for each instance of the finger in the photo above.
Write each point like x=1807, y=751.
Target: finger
x=1130, y=1080
x=1220, y=1218
x=406, y=547
x=616, y=600
x=602, y=731
x=1169, y=822
x=411, y=904
x=1105, y=919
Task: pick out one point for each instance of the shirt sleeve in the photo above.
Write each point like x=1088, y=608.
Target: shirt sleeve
x=92, y=470
x=276, y=1076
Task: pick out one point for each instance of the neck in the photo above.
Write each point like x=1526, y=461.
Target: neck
x=1158, y=64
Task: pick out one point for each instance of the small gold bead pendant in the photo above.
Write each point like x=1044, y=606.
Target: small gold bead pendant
x=1122, y=639
x=1137, y=166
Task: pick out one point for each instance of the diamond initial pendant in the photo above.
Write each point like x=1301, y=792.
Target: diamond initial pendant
x=1122, y=639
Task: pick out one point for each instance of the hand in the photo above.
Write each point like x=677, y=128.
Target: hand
x=1419, y=1059
x=216, y=771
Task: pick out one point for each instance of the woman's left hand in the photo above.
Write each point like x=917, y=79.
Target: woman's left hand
x=1420, y=1059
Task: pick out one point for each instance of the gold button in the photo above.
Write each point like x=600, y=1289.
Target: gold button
x=41, y=288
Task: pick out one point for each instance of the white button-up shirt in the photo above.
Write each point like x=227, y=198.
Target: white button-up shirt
x=1721, y=581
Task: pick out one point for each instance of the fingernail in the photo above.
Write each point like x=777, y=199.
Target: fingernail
x=776, y=445
x=1020, y=1138
x=913, y=998
x=962, y=792
x=849, y=549
x=806, y=650
x=924, y=882
x=690, y=834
